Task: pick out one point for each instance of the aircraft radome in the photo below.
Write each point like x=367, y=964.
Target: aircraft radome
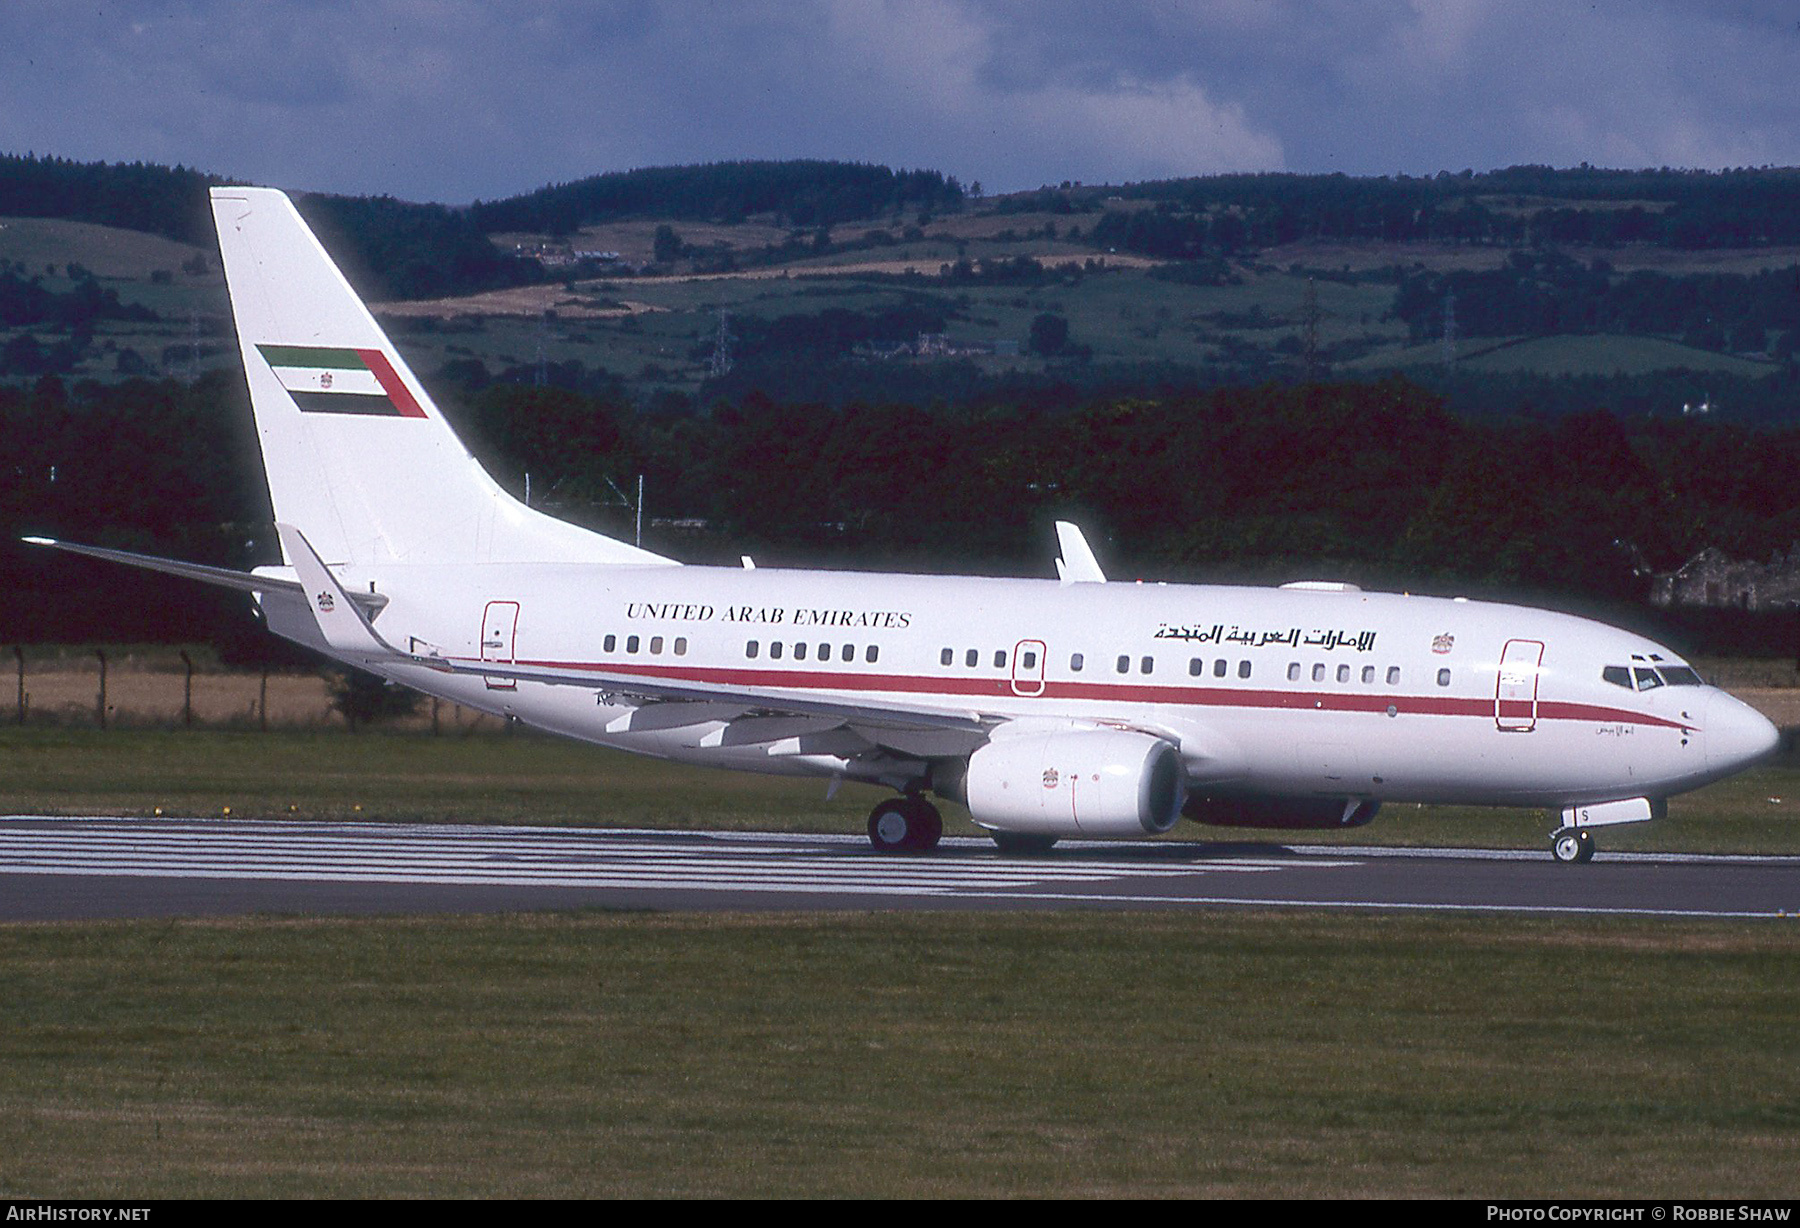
x=1050, y=708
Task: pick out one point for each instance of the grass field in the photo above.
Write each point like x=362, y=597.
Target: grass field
x=886, y=1054
x=1122, y=315
x=1599, y=354
x=483, y=776
x=1086, y=1054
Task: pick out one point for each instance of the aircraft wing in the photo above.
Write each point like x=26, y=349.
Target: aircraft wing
x=627, y=687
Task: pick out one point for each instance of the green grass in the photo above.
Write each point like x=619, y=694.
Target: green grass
x=1081, y=1054
x=483, y=778
x=524, y=778
x=1599, y=354
x=1123, y=315
x=106, y=251
x=880, y=1054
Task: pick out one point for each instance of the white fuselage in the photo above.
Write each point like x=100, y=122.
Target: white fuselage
x=1283, y=692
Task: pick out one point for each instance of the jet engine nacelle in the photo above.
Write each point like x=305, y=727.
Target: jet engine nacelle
x=1292, y=813
x=1090, y=782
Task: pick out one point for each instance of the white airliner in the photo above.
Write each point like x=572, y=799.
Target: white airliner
x=1050, y=708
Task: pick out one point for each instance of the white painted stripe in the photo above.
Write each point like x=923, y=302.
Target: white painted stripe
x=203, y=852
x=209, y=844
x=45, y=861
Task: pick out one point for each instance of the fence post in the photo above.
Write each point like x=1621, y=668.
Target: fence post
x=101, y=700
x=187, y=692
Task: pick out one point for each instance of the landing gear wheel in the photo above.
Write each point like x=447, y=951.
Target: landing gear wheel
x=905, y=825
x=928, y=824
x=1022, y=842
x=888, y=828
x=1572, y=846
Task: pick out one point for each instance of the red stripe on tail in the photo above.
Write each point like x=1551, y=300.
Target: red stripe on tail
x=392, y=384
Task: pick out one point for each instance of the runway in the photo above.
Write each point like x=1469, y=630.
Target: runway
x=67, y=868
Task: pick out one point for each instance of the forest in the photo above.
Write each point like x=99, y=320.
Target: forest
x=1376, y=483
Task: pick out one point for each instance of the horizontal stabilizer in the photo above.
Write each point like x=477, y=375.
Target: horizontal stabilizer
x=244, y=581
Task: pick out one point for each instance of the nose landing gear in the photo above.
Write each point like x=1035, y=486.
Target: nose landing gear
x=907, y=824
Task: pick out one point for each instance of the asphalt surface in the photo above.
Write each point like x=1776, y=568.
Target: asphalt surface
x=69, y=868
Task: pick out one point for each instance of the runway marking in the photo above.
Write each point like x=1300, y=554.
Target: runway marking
x=829, y=868
x=550, y=857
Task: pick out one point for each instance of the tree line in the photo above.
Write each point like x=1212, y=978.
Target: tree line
x=1375, y=483
x=1545, y=292
x=802, y=193
x=1518, y=206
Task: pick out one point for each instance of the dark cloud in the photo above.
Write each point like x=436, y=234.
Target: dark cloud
x=455, y=99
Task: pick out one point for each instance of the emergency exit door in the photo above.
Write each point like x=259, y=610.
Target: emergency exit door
x=1028, y=668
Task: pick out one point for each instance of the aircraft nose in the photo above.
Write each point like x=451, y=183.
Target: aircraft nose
x=1736, y=734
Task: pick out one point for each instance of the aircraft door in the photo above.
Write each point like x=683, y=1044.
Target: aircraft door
x=499, y=628
x=1516, y=688
x=1028, y=668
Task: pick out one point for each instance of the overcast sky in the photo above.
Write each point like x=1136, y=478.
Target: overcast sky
x=452, y=100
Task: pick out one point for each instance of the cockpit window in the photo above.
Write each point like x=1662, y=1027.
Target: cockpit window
x=1642, y=678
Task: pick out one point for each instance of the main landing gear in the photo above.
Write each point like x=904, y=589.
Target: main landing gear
x=907, y=824
x=1572, y=845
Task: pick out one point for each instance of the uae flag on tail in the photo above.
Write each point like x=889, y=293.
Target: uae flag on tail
x=326, y=379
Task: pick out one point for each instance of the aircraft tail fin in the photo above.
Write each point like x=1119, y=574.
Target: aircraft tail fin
x=355, y=452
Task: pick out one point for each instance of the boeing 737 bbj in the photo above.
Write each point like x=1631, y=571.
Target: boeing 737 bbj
x=1050, y=708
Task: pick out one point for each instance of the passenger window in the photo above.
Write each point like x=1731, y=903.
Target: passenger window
x=611, y=642
x=681, y=645
x=1293, y=671
x=1443, y=677
x=1031, y=660
x=1318, y=673
x=1076, y=661
x=1243, y=669
x=1368, y=675
x=751, y=649
x=656, y=645
x=999, y=658
x=1124, y=665
x=849, y=652
x=946, y=656
x=1343, y=673
x=1146, y=665
x=973, y=658
x=871, y=654
x=1195, y=667
x=1219, y=668
x=631, y=643
x=825, y=652
x=800, y=652
x=775, y=650
x=1393, y=675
